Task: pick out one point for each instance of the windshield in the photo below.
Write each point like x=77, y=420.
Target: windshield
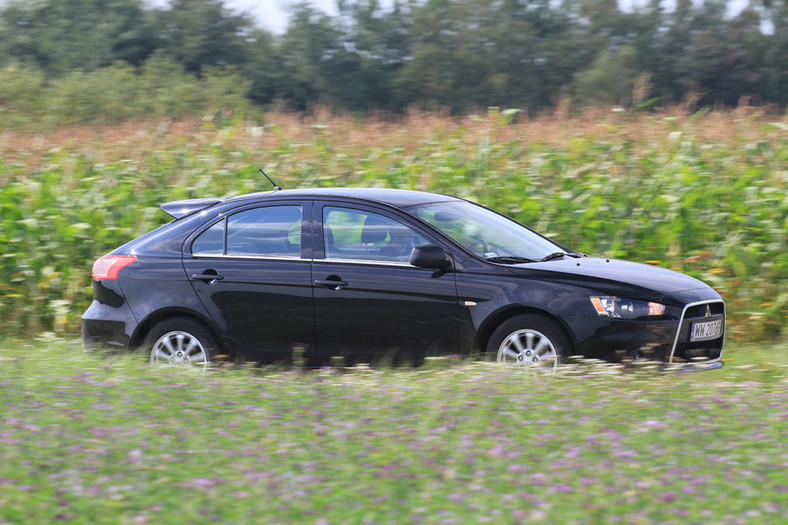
x=486, y=233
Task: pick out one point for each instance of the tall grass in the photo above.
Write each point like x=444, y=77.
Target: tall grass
x=706, y=194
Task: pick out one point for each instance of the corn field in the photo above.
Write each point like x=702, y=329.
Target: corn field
x=702, y=193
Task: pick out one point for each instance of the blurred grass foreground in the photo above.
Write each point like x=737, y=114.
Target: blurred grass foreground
x=87, y=440
x=703, y=193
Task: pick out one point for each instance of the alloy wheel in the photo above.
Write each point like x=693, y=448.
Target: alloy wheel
x=178, y=348
x=528, y=348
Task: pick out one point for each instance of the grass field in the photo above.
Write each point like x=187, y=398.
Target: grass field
x=85, y=439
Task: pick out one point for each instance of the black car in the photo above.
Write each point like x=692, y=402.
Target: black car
x=370, y=274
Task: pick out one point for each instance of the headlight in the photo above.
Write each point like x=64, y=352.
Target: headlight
x=620, y=308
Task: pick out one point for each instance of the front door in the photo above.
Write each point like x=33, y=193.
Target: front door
x=370, y=302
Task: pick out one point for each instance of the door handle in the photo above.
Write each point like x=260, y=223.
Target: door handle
x=207, y=277
x=333, y=284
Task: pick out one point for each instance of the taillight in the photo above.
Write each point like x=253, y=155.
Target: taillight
x=108, y=266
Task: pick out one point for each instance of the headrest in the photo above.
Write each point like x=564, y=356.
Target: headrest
x=375, y=229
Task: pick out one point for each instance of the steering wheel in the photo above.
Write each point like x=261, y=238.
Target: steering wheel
x=479, y=243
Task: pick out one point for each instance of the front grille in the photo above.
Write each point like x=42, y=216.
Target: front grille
x=699, y=310
x=684, y=349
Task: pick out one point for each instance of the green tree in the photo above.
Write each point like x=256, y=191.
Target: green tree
x=610, y=78
x=451, y=61
x=378, y=42
x=475, y=53
x=263, y=67
x=59, y=36
x=202, y=33
x=775, y=50
x=312, y=56
x=536, y=52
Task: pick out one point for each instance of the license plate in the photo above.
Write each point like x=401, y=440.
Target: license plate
x=706, y=331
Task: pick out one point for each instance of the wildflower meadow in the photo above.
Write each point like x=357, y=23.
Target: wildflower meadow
x=89, y=439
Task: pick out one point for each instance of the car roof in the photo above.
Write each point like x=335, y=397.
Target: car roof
x=392, y=197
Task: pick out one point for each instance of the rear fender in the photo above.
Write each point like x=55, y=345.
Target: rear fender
x=142, y=330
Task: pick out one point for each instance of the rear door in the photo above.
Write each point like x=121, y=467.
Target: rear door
x=251, y=270
x=370, y=302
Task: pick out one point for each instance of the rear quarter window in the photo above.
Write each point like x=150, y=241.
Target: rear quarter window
x=211, y=241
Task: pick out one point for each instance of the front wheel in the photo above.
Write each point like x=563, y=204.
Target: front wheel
x=181, y=341
x=529, y=340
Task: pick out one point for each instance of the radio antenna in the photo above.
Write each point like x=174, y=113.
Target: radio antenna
x=276, y=186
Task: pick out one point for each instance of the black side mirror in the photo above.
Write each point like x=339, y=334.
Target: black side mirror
x=430, y=256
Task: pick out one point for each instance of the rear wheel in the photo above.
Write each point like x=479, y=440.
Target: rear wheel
x=529, y=340
x=181, y=341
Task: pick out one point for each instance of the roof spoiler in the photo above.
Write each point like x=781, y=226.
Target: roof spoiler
x=184, y=208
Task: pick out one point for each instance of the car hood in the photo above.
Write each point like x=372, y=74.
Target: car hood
x=592, y=270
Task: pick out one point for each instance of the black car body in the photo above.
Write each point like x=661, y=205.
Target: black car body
x=370, y=273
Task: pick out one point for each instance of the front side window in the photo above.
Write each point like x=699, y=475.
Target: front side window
x=363, y=235
x=485, y=232
x=273, y=231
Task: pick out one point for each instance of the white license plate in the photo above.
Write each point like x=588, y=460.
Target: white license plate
x=706, y=331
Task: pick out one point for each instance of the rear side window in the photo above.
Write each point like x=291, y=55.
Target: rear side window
x=273, y=231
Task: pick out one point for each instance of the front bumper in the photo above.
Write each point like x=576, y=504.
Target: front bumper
x=704, y=366
x=669, y=341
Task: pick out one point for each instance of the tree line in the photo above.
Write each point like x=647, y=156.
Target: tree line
x=434, y=54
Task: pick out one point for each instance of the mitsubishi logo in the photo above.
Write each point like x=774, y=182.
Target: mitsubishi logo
x=708, y=311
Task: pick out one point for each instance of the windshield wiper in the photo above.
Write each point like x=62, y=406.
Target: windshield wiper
x=510, y=259
x=554, y=255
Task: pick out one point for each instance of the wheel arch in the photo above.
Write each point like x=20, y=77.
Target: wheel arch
x=495, y=320
x=144, y=327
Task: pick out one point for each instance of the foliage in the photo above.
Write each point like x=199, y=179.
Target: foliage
x=60, y=36
x=200, y=33
x=434, y=54
x=112, y=440
x=704, y=194
x=610, y=80
x=22, y=93
x=117, y=93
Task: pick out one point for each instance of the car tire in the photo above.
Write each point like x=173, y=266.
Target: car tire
x=181, y=341
x=529, y=340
